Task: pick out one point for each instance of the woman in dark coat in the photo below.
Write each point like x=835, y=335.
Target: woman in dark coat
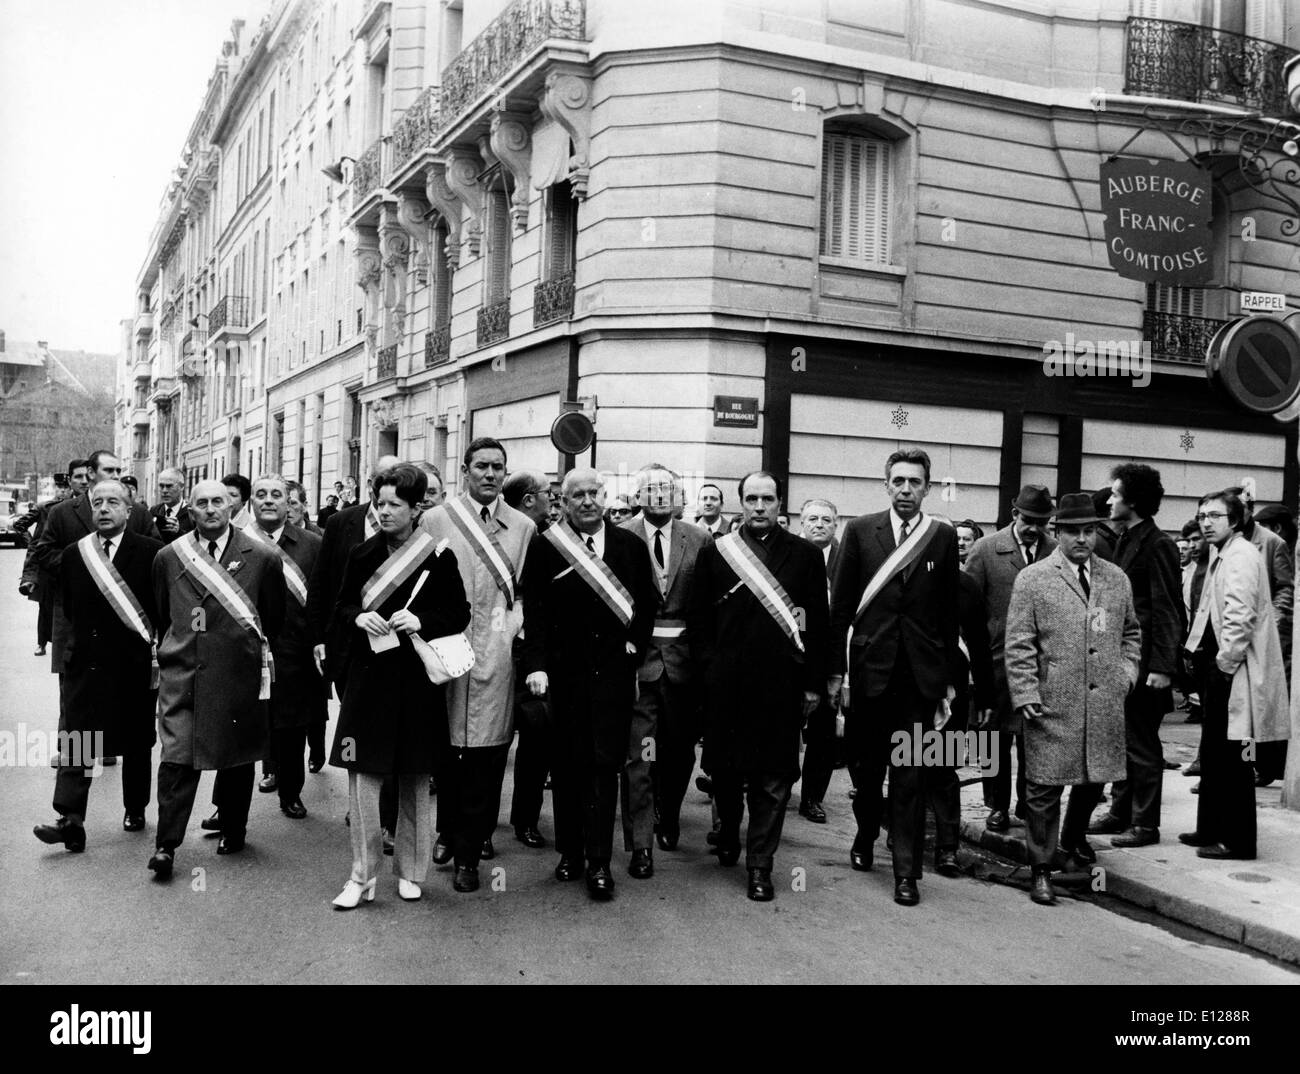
x=391, y=712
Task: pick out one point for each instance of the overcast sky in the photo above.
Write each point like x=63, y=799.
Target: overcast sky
x=96, y=97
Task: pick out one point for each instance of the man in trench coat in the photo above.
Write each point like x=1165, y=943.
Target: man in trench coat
x=210, y=714
x=480, y=705
x=1073, y=646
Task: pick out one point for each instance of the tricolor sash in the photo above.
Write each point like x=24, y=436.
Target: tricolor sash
x=372, y=521
x=899, y=560
x=395, y=570
x=592, y=569
x=762, y=583
x=294, y=579
x=119, y=596
x=485, y=545
x=230, y=596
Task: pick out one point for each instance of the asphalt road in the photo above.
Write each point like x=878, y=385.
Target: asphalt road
x=265, y=915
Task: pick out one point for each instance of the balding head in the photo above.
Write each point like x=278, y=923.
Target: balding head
x=210, y=508
x=582, y=495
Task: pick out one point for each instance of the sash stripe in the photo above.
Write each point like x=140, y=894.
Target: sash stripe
x=395, y=570
x=899, y=560
x=762, y=583
x=593, y=571
x=119, y=596
x=293, y=576
x=486, y=545
x=372, y=521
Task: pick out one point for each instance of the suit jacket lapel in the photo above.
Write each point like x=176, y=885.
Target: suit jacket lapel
x=778, y=550
x=1071, y=577
x=885, y=535
x=677, y=551
x=83, y=513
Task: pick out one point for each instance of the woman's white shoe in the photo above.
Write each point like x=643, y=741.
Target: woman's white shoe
x=352, y=894
x=408, y=890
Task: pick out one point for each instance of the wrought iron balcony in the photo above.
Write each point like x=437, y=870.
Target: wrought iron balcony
x=1178, y=338
x=387, y=366
x=553, y=300
x=231, y=312
x=437, y=345
x=366, y=176
x=1190, y=62
x=493, y=322
x=416, y=128
x=502, y=47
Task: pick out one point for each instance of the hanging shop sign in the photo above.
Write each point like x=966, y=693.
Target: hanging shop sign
x=1157, y=220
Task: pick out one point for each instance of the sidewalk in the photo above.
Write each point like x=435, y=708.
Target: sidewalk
x=1254, y=903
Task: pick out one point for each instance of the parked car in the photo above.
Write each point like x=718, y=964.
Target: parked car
x=9, y=535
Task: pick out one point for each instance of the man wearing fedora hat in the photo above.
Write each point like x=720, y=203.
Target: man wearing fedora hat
x=994, y=563
x=1073, y=646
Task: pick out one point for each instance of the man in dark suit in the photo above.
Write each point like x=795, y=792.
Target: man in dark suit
x=818, y=522
x=37, y=583
x=902, y=627
x=708, y=511
x=108, y=688
x=589, y=609
x=1150, y=559
x=760, y=616
x=171, y=514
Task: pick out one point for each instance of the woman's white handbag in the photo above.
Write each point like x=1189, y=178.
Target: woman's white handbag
x=444, y=658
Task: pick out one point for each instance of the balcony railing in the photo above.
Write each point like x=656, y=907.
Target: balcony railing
x=366, y=176
x=1190, y=62
x=416, y=128
x=231, y=312
x=505, y=43
x=387, y=366
x=553, y=300
x=493, y=322
x=1177, y=338
x=437, y=345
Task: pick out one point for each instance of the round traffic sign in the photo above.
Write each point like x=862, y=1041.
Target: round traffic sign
x=1256, y=360
x=572, y=432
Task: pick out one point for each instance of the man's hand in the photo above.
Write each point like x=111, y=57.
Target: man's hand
x=169, y=524
x=983, y=718
x=537, y=683
x=1158, y=680
x=629, y=648
x=1032, y=711
x=811, y=699
x=318, y=654
x=404, y=621
x=833, y=686
x=25, y=588
x=373, y=623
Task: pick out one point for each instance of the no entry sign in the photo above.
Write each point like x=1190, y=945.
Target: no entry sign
x=1257, y=362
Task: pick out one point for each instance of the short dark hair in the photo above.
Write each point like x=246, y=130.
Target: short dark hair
x=1232, y=501
x=971, y=525
x=239, y=481
x=1190, y=529
x=92, y=460
x=1142, y=488
x=780, y=488
x=710, y=485
x=912, y=455
x=76, y=464
x=1101, y=503
x=131, y=482
x=484, y=443
x=406, y=480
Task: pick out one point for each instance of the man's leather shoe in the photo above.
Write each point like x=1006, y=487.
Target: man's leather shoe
x=161, y=864
x=441, y=852
x=466, y=878
x=1219, y=852
x=212, y=823
x=905, y=892
x=1041, y=891
x=569, y=868
x=268, y=783
x=1107, y=825
x=813, y=812
x=1194, y=839
x=1137, y=837
x=728, y=853
x=294, y=809
x=1081, y=852
x=1197, y=788
x=861, y=854
x=315, y=765
x=387, y=838
x=997, y=821
x=945, y=863
x=488, y=852
x=230, y=844
x=642, y=866
x=712, y=839
x=704, y=784
x=132, y=822
x=667, y=836
x=1193, y=769
x=530, y=837
x=600, y=882
x=760, y=885
x=72, y=836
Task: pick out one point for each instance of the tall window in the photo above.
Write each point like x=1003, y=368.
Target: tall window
x=440, y=285
x=856, y=198
x=560, y=232
x=496, y=272
x=1180, y=301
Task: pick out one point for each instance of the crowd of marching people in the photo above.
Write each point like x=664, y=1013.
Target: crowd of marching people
x=606, y=637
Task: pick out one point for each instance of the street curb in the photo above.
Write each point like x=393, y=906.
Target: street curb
x=1256, y=937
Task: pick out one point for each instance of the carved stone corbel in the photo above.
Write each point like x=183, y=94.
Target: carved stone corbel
x=369, y=276
x=395, y=248
x=448, y=205
x=511, y=141
x=567, y=101
x=411, y=211
x=461, y=174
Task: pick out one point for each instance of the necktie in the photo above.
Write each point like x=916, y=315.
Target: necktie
x=108, y=547
x=591, y=544
x=483, y=513
x=1083, y=581
x=212, y=549
x=659, y=548
x=902, y=533
x=1029, y=551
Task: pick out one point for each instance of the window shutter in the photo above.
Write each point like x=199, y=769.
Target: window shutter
x=1146, y=9
x=1179, y=301
x=1256, y=19
x=498, y=278
x=561, y=230
x=856, y=198
x=441, y=277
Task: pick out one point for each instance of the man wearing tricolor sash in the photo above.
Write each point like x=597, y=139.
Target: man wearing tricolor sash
x=490, y=540
x=894, y=623
x=108, y=676
x=590, y=608
x=758, y=627
x=221, y=598
x=298, y=693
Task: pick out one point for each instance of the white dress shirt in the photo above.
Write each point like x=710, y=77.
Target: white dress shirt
x=897, y=524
